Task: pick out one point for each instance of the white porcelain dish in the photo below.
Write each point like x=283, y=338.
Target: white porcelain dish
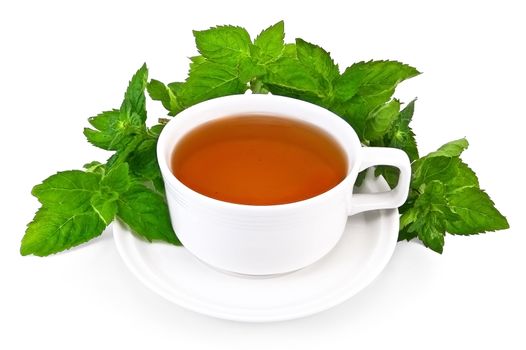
x=172, y=272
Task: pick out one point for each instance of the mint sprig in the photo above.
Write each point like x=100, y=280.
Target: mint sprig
x=445, y=195
x=78, y=205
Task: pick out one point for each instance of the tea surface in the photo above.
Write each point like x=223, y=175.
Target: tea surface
x=259, y=160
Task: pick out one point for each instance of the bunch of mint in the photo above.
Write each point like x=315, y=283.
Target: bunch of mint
x=77, y=205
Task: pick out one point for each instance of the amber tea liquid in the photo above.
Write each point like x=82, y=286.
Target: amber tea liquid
x=259, y=160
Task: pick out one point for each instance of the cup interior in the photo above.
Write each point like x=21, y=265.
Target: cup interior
x=257, y=104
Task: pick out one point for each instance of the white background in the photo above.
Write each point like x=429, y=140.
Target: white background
x=62, y=62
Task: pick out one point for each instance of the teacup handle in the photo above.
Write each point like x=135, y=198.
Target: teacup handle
x=373, y=156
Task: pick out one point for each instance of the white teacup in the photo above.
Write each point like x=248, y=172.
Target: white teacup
x=272, y=239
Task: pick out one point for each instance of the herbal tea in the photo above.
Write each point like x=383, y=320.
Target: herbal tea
x=259, y=160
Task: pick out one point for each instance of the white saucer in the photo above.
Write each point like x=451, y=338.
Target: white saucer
x=172, y=272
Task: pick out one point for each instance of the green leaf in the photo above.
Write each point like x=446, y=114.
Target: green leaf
x=210, y=80
x=95, y=167
x=155, y=130
x=449, y=170
x=68, y=190
x=365, y=86
x=143, y=161
x=356, y=110
x=115, y=129
x=459, y=207
x=429, y=215
x=406, y=235
x=401, y=136
x=195, y=61
x=289, y=50
x=372, y=78
x=390, y=174
x=134, y=99
x=477, y=212
x=52, y=231
x=124, y=130
x=450, y=149
x=289, y=77
x=122, y=155
x=248, y=70
x=117, y=179
x=160, y=92
x=270, y=43
x=435, y=168
x=146, y=213
x=109, y=131
x=379, y=121
x=305, y=75
x=175, y=87
x=464, y=177
x=318, y=60
x=105, y=205
x=76, y=207
x=223, y=44
x=431, y=232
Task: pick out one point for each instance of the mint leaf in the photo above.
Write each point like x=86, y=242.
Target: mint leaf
x=146, y=213
x=113, y=183
x=464, y=207
x=289, y=77
x=125, y=131
x=223, y=44
x=143, y=161
x=289, y=50
x=52, y=231
x=429, y=215
x=450, y=149
x=116, y=129
x=449, y=170
x=248, y=70
x=406, y=235
x=431, y=231
x=113, y=129
x=195, y=61
x=209, y=80
x=318, y=60
x=122, y=154
x=305, y=71
x=105, y=205
x=68, y=190
x=379, y=121
x=160, y=92
x=476, y=211
x=435, y=168
x=401, y=136
x=373, y=78
x=95, y=167
x=365, y=86
x=269, y=44
x=398, y=136
x=134, y=99
x=446, y=166
x=117, y=179
x=75, y=208
x=464, y=177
